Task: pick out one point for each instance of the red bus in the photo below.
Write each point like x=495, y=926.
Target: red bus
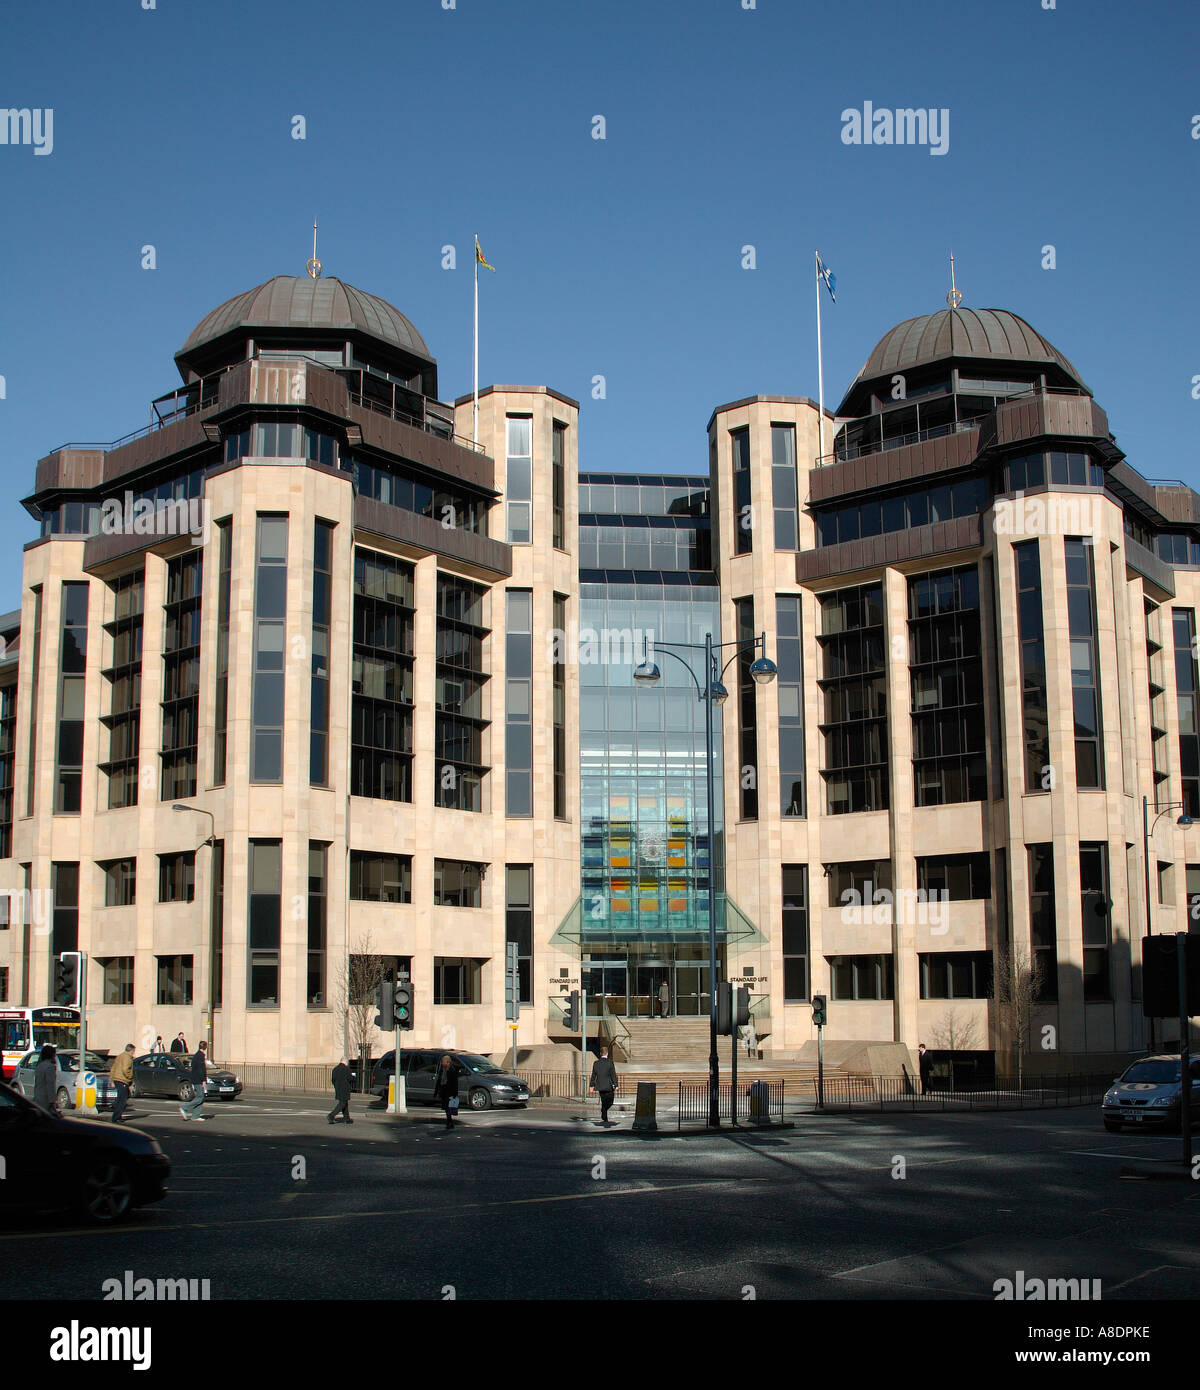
x=22, y=1029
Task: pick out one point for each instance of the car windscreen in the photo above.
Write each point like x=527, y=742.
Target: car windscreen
x=481, y=1065
x=1153, y=1073
x=69, y=1061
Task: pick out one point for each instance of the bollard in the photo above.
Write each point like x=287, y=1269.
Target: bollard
x=397, y=1096
x=647, y=1102
x=85, y=1094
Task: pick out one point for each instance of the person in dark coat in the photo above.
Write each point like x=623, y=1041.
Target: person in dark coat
x=190, y=1109
x=45, y=1080
x=341, y=1091
x=664, y=999
x=924, y=1064
x=179, y=1044
x=604, y=1080
x=446, y=1088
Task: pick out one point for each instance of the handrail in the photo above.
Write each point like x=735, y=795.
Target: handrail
x=901, y=441
x=622, y=1036
x=404, y=418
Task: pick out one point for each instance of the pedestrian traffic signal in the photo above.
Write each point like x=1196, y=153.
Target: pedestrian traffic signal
x=741, y=1014
x=66, y=979
x=571, y=1012
x=818, y=1008
x=724, y=1008
x=386, y=1019
x=403, y=1002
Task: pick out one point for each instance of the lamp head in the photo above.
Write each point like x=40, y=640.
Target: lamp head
x=1185, y=819
x=719, y=693
x=764, y=670
x=646, y=674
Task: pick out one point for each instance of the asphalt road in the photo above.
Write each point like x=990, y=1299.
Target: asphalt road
x=269, y=1201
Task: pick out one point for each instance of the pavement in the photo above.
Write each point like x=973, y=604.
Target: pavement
x=269, y=1201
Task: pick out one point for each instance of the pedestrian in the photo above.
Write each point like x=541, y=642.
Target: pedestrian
x=190, y=1109
x=158, y=1045
x=664, y=999
x=121, y=1074
x=924, y=1065
x=751, y=1040
x=179, y=1043
x=604, y=1080
x=341, y=1091
x=446, y=1088
x=45, y=1080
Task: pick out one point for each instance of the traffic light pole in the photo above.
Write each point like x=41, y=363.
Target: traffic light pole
x=820, y=1066
x=733, y=1037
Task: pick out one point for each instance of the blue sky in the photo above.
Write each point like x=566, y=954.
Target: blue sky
x=172, y=127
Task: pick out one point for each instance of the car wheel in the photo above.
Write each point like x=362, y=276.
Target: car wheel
x=186, y=1090
x=1113, y=1126
x=107, y=1189
x=134, y=1091
x=63, y=1097
x=481, y=1098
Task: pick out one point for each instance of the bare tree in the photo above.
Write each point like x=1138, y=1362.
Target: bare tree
x=354, y=998
x=1016, y=990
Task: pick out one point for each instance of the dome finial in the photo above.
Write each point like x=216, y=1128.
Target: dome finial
x=314, y=266
x=954, y=298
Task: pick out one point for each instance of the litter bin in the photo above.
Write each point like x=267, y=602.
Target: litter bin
x=760, y=1102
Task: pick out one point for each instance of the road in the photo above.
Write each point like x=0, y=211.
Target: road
x=269, y=1201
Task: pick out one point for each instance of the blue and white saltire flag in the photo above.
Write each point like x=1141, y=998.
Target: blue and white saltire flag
x=824, y=273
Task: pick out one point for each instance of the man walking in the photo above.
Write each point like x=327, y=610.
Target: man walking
x=121, y=1074
x=446, y=1089
x=664, y=999
x=604, y=1080
x=341, y=1091
x=179, y=1043
x=924, y=1064
x=190, y=1109
x=45, y=1079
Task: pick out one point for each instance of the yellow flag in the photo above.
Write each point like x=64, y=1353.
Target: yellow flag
x=480, y=257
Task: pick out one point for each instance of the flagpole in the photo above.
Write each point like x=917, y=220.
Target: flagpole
x=820, y=366
x=475, y=428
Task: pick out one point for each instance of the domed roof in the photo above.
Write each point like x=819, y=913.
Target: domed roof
x=966, y=333
x=298, y=301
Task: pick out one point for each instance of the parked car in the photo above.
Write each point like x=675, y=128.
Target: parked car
x=102, y=1170
x=481, y=1084
x=170, y=1074
x=1146, y=1095
x=68, y=1076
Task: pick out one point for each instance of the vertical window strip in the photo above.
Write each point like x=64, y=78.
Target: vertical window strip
x=783, y=486
x=1035, y=719
x=518, y=709
x=796, y=983
x=747, y=712
x=217, y=923
x=1043, y=931
x=123, y=679
x=854, y=696
x=1085, y=668
x=1187, y=694
x=68, y=770
x=559, y=484
x=322, y=599
x=518, y=488
x=459, y=723
x=518, y=928
x=221, y=707
x=318, y=854
x=1096, y=908
x=8, y=748
x=270, y=623
x=382, y=678
x=34, y=701
x=560, y=708
x=264, y=924
x=789, y=657
x=743, y=511
x=181, y=676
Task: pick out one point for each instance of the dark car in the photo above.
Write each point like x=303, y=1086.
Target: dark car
x=170, y=1074
x=1147, y=1095
x=481, y=1084
x=101, y=1170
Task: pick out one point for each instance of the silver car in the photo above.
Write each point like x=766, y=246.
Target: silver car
x=1146, y=1095
x=67, y=1077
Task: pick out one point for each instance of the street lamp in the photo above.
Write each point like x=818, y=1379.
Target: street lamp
x=211, y=842
x=1147, y=831
x=712, y=692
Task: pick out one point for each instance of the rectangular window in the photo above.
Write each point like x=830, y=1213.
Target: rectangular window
x=783, y=485
x=120, y=882
x=217, y=922
x=1085, y=666
x=559, y=671
x=854, y=695
x=224, y=577
x=961, y=877
x=457, y=883
x=795, y=932
x=956, y=975
x=123, y=681
x=380, y=878
x=747, y=711
x=458, y=733
x=181, y=676
x=382, y=678
x=318, y=893
x=1096, y=907
x=117, y=979
x=518, y=708
x=1033, y=665
x=322, y=598
x=518, y=922
x=860, y=977
x=1042, y=928
x=68, y=769
x=1187, y=695
x=270, y=623
x=518, y=488
x=457, y=980
x=177, y=877
x=64, y=879
x=1156, y=681
x=856, y=884
x=174, y=980
x=743, y=512
x=266, y=889
x=559, y=483
x=789, y=685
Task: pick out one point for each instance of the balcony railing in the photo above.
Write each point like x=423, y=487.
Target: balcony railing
x=850, y=452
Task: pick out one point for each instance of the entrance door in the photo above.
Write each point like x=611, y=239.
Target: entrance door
x=608, y=982
x=691, y=991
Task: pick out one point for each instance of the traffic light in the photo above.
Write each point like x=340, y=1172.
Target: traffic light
x=385, y=1021
x=741, y=1015
x=818, y=1008
x=1160, y=976
x=571, y=1012
x=724, y=1008
x=66, y=979
x=512, y=984
x=403, y=1000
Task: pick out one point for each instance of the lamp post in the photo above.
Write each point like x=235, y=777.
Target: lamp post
x=712, y=692
x=212, y=945
x=1147, y=831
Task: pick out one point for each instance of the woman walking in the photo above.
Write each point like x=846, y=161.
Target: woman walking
x=446, y=1089
x=45, y=1080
